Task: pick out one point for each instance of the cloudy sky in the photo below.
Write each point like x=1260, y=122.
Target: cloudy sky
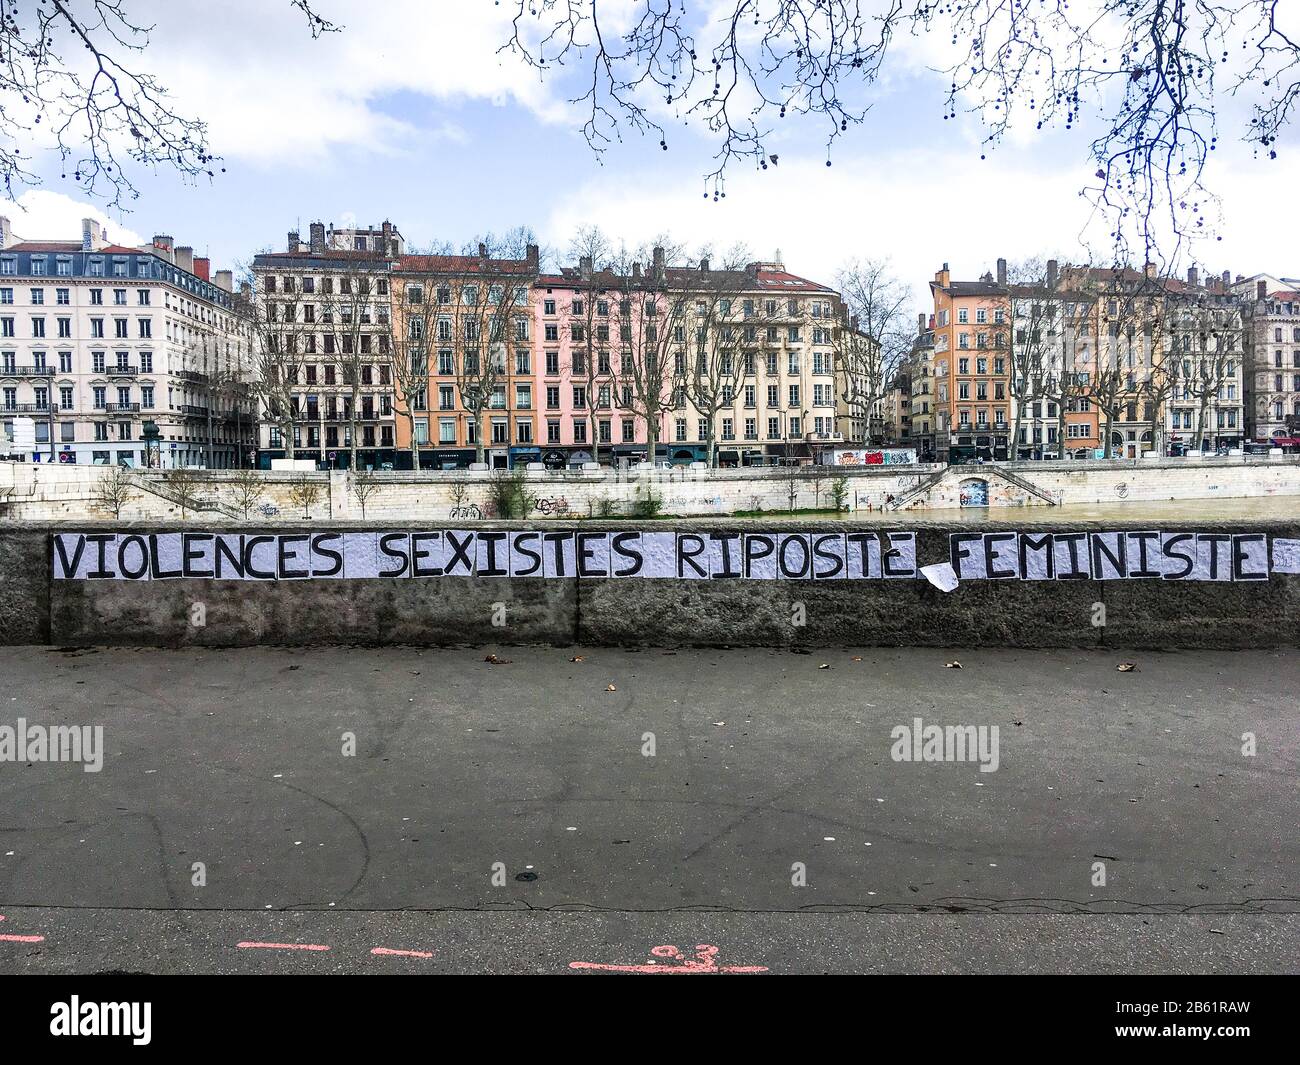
x=411, y=114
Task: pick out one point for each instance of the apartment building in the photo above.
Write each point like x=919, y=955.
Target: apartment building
x=1052, y=343
x=467, y=322
x=1272, y=379
x=748, y=352
x=1205, y=348
x=783, y=329
x=121, y=355
x=324, y=324
x=972, y=364
x=931, y=446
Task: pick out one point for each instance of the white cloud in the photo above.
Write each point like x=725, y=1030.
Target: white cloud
x=40, y=214
x=272, y=94
x=917, y=208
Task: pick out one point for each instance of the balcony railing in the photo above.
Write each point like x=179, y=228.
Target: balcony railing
x=26, y=371
x=191, y=410
x=122, y=408
x=121, y=371
x=25, y=408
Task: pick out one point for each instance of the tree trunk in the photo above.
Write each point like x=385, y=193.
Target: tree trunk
x=352, y=420
x=1015, y=429
x=651, y=438
x=479, y=449
x=415, y=444
x=1110, y=421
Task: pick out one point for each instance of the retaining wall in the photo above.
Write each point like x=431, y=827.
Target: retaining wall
x=37, y=609
x=50, y=493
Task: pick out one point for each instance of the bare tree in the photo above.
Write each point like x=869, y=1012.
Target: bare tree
x=247, y=489
x=356, y=325
x=872, y=339
x=71, y=76
x=1128, y=307
x=588, y=323
x=1204, y=351
x=304, y=491
x=724, y=323
x=473, y=312
x=184, y=486
x=282, y=344
x=364, y=485
x=1161, y=69
x=113, y=490
x=651, y=325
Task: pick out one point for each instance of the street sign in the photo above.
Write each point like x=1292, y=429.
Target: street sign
x=24, y=434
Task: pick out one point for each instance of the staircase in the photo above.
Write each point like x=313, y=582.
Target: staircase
x=900, y=502
x=985, y=472
x=1026, y=486
x=156, y=486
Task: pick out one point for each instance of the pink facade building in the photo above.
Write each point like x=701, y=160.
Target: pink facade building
x=781, y=400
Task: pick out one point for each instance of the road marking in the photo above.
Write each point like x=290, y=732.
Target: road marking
x=704, y=962
x=284, y=946
x=22, y=939
x=388, y=951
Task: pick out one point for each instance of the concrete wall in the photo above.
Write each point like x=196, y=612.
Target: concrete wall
x=648, y=612
x=38, y=493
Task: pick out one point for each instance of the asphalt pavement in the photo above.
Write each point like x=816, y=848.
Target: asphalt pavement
x=551, y=810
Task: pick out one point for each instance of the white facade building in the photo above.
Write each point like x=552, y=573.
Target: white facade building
x=98, y=340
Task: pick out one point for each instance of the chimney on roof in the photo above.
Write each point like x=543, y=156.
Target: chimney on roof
x=1261, y=290
x=202, y=267
x=1193, y=277
x=1149, y=270
x=388, y=247
x=482, y=250
x=292, y=244
x=920, y=322
x=1052, y=267
x=533, y=256
x=1227, y=277
x=1240, y=278
x=584, y=267
x=941, y=277
x=225, y=280
x=636, y=271
x=6, y=233
x=162, y=244
x=185, y=259
x=659, y=262
x=704, y=266
x=245, y=289
x=93, y=236
x=1002, y=271
x=317, y=240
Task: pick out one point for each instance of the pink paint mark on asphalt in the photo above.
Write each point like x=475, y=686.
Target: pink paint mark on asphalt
x=389, y=952
x=22, y=939
x=283, y=946
x=703, y=962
